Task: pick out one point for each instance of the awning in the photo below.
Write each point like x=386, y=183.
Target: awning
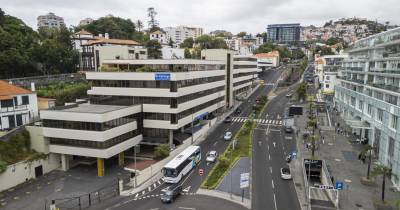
x=358, y=124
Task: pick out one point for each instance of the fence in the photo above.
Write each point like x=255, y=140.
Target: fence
x=86, y=200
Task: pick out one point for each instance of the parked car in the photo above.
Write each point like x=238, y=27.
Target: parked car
x=228, y=136
x=289, y=94
x=285, y=173
x=288, y=129
x=211, y=156
x=171, y=193
x=228, y=120
x=289, y=158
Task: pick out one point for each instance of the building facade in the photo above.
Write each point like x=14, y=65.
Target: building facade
x=268, y=60
x=160, y=36
x=180, y=33
x=368, y=95
x=50, y=20
x=86, y=21
x=283, y=33
x=18, y=106
x=327, y=67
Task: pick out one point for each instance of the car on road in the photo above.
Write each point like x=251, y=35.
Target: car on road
x=211, y=156
x=171, y=193
x=228, y=136
x=228, y=120
x=238, y=111
x=289, y=158
x=288, y=129
x=285, y=173
x=289, y=94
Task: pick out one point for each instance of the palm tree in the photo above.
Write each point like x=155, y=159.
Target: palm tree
x=385, y=172
x=139, y=25
x=367, y=148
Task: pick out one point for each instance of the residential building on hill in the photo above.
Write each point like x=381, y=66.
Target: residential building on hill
x=367, y=95
x=18, y=106
x=85, y=21
x=50, y=20
x=180, y=33
x=160, y=36
x=327, y=67
x=267, y=60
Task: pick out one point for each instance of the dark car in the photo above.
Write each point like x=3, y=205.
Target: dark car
x=238, y=111
x=228, y=120
x=289, y=158
x=171, y=194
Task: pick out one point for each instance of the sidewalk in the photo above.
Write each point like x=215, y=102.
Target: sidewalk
x=341, y=157
x=152, y=174
x=236, y=199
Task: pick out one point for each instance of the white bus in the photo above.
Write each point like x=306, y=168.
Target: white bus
x=182, y=164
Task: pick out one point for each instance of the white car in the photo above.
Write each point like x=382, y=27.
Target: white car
x=211, y=156
x=285, y=173
x=228, y=136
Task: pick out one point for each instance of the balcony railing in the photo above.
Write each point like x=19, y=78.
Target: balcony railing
x=352, y=68
x=386, y=87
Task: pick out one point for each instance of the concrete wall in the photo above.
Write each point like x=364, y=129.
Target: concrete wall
x=23, y=171
x=38, y=142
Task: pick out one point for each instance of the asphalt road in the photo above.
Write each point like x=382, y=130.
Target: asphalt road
x=270, y=146
x=214, y=141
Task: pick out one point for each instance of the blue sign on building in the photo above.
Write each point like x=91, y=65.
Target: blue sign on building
x=162, y=77
x=339, y=185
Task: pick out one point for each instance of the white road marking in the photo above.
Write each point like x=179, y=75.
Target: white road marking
x=154, y=185
x=137, y=194
x=274, y=144
x=275, y=202
x=188, y=208
x=215, y=143
x=186, y=189
x=273, y=121
x=269, y=156
x=270, y=169
x=149, y=188
x=273, y=186
x=158, y=182
x=144, y=191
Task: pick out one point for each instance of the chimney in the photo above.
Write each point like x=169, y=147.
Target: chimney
x=33, y=89
x=106, y=36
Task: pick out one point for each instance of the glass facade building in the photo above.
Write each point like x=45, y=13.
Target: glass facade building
x=368, y=92
x=283, y=33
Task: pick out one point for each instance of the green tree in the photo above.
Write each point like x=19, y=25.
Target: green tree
x=382, y=170
x=187, y=43
x=161, y=151
x=153, y=49
x=367, y=150
x=187, y=53
x=171, y=42
x=302, y=91
x=209, y=42
x=139, y=25
x=241, y=34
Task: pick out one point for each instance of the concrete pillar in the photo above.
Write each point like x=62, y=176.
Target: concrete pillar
x=171, y=138
x=183, y=129
x=100, y=167
x=121, y=159
x=64, y=162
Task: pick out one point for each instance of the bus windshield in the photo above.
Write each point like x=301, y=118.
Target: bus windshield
x=170, y=172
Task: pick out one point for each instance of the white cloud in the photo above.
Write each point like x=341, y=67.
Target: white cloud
x=233, y=15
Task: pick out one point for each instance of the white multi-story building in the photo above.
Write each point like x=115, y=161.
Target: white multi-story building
x=268, y=60
x=86, y=21
x=160, y=36
x=326, y=67
x=50, y=20
x=18, y=106
x=368, y=95
x=180, y=33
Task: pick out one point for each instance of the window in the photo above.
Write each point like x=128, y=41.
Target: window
x=327, y=77
x=380, y=115
x=361, y=105
x=353, y=101
x=25, y=100
x=369, y=109
x=326, y=85
x=393, y=123
x=391, y=147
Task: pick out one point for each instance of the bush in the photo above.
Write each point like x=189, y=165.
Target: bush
x=161, y=151
x=64, y=92
x=223, y=161
x=3, y=166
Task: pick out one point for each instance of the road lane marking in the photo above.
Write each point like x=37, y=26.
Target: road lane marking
x=270, y=169
x=186, y=189
x=137, y=194
x=144, y=191
x=275, y=202
x=149, y=188
x=215, y=143
x=274, y=144
x=269, y=157
x=154, y=185
x=273, y=186
x=188, y=208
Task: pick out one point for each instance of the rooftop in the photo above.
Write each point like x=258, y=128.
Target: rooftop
x=267, y=55
x=112, y=41
x=88, y=108
x=8, y=90
x=162, y=61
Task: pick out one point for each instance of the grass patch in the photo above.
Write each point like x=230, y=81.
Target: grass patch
x=229, y=158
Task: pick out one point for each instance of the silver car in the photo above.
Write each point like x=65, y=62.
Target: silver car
x=211, y=156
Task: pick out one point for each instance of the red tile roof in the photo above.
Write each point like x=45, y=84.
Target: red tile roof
x=268, y=55
x=112, y=41
x=7, y=90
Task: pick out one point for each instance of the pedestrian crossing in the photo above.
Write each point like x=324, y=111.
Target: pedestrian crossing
x=260, y=121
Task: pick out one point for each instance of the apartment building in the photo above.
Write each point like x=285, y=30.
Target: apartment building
x=160, y=36
x=180, y=33
x=268, y=60
x=240, y=72
x=368, y=95
x=86, y=21
x=50, y=20
x=94, y=52
x=18, y=106
x=326, y=67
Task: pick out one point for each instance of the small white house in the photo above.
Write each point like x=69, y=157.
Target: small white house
x=160, y=36
x=18, y=106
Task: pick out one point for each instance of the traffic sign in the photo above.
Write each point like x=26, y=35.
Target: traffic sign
x=244, y=180
x=339, y=185
x=201, y=172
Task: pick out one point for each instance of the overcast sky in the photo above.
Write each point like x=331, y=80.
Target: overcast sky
x=232, y=15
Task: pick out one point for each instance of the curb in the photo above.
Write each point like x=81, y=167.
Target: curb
x=226, y=196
